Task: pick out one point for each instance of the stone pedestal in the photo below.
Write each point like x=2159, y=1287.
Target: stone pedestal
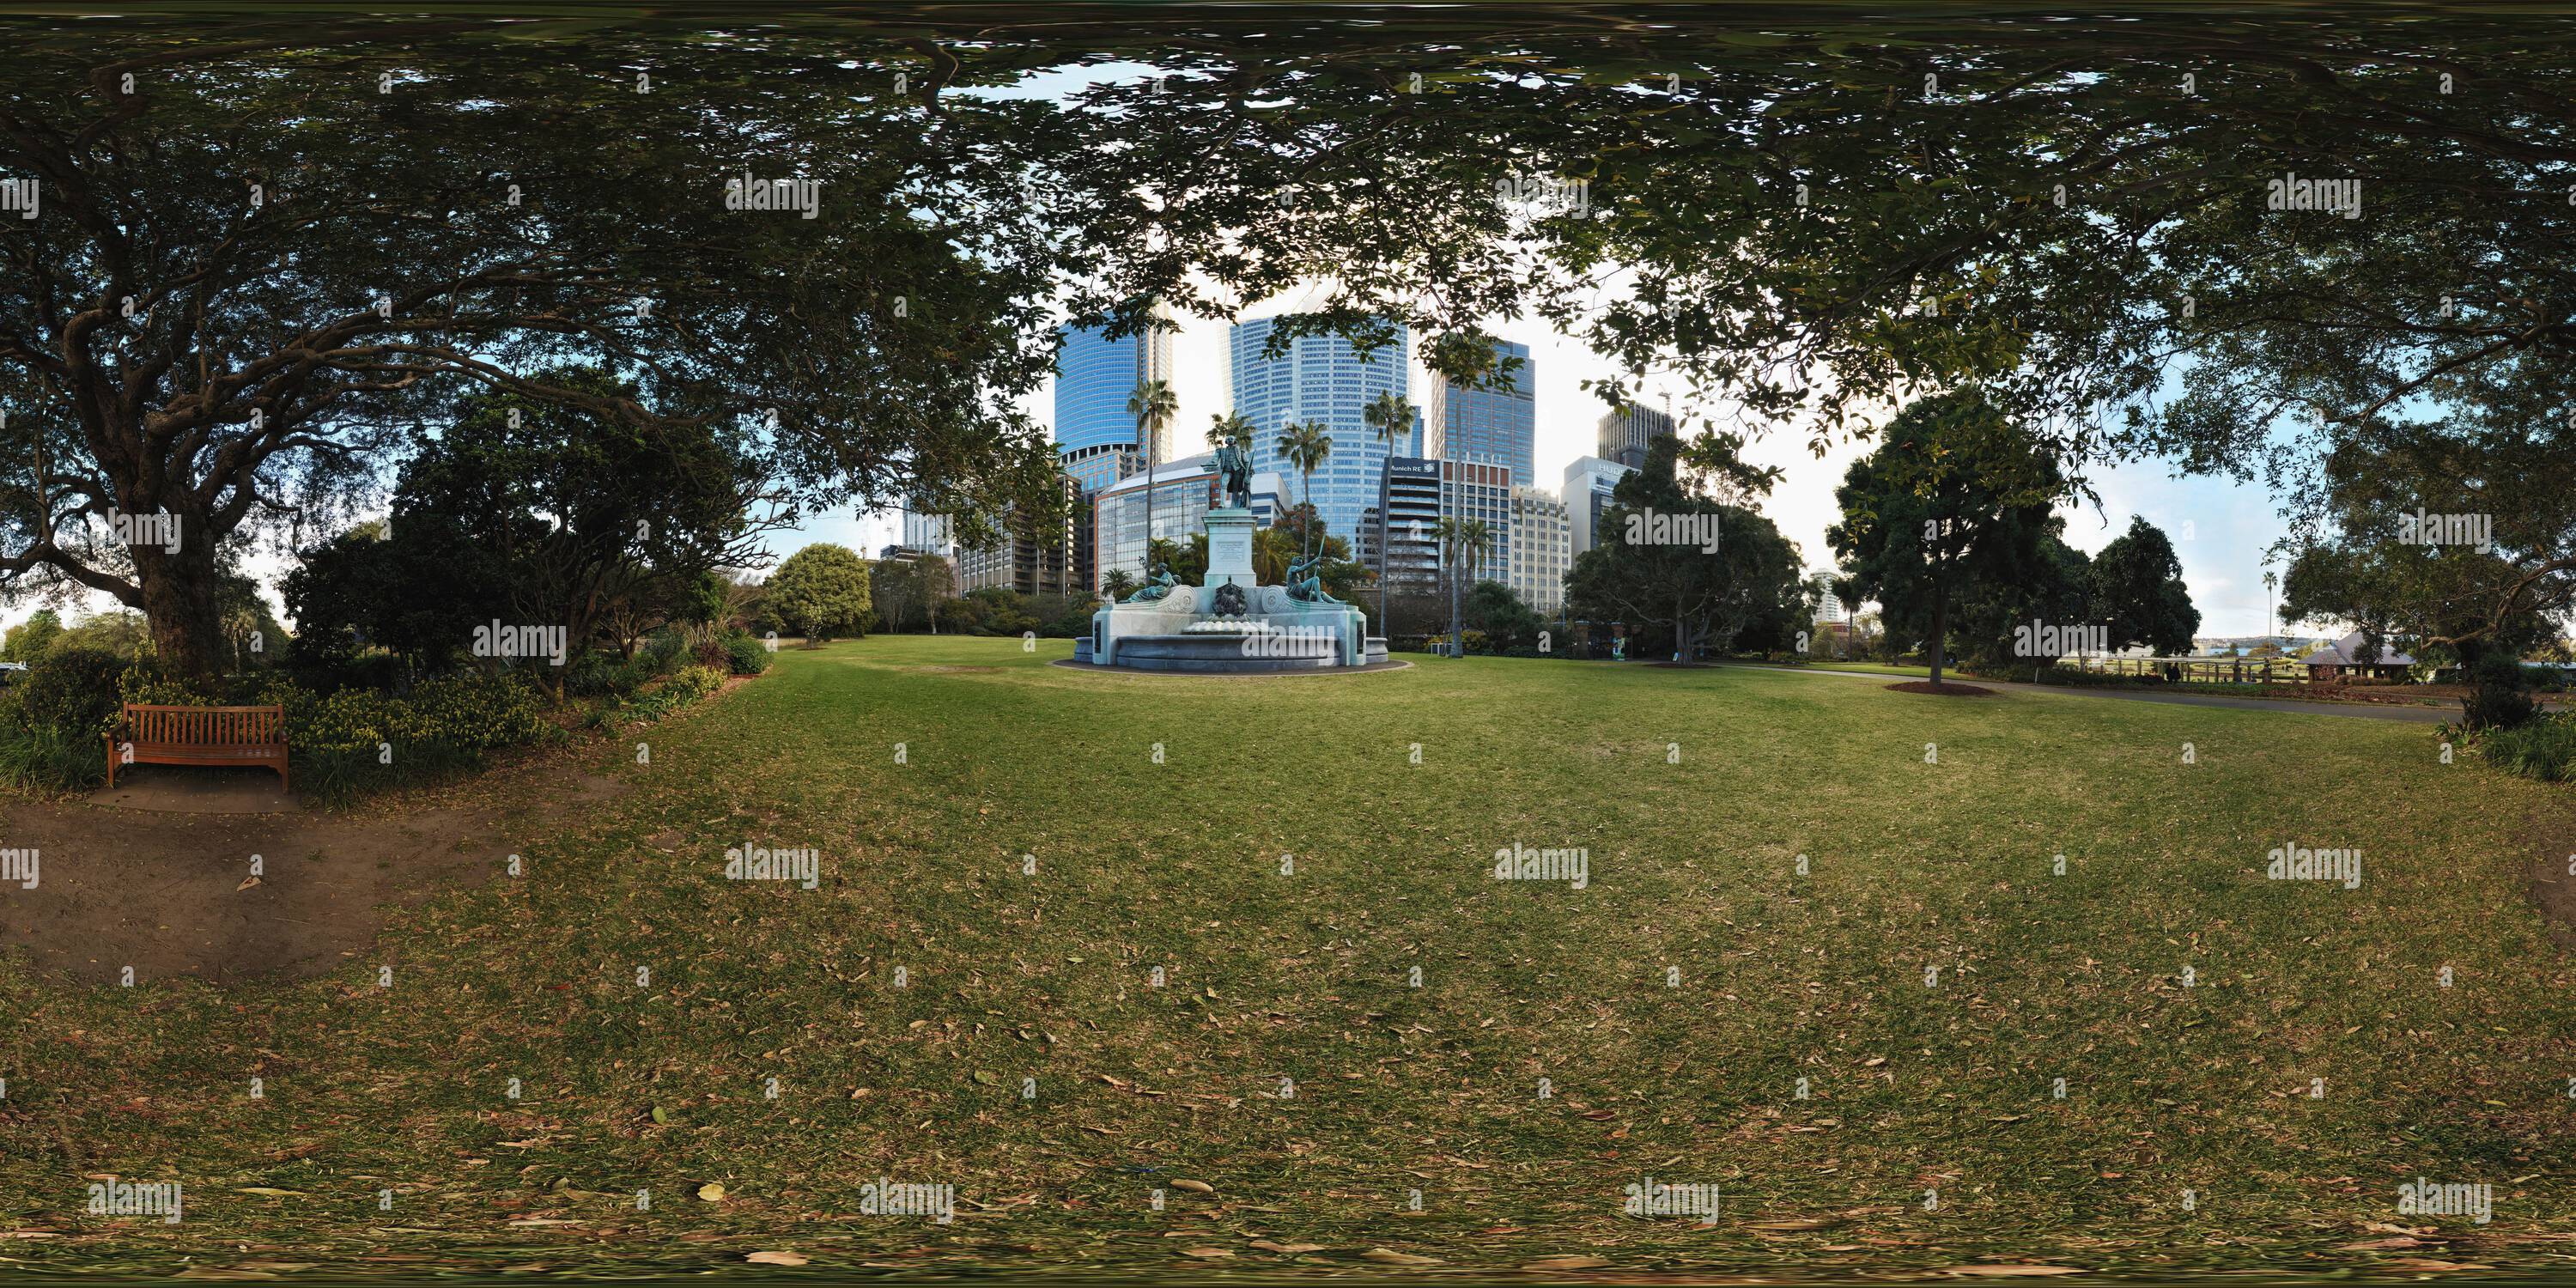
x=1229, y=534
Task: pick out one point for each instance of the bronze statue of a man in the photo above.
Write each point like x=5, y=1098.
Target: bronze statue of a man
x=1234, y=474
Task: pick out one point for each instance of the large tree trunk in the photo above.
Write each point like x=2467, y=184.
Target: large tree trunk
x=1940, y=618
x=179, y=600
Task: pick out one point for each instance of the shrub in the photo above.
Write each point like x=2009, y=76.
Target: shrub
x=745, y=655
x=662, y=651
x=596, y=674
x=2498, y=699
x=681, y=688
x=46, y=759
x=74, y=691
x=339, y=742
x=2544, y=748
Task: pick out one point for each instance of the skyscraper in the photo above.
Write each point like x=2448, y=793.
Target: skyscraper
x=1497, y=425
x=1589, y=481
x=1095, y=376
x=1542, y=549
x=1624, y=435
x=1319, y=378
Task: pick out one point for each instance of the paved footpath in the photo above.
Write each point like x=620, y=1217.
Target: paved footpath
x=2361, y=710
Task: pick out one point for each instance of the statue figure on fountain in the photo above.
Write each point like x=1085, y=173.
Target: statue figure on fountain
x=1234, y=474
x=1305, y=587
x=1157, y=586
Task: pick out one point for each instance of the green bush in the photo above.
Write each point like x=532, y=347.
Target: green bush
x=2544, y=748
x=663, y=652
x=745, y=655
x=681, y=688
x=596, y=674
x=2497, y=699
x=46, y=759
x=73, y=691
x=356, y=739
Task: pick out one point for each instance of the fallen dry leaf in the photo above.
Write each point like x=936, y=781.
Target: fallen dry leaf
x=1194, y=1187
x=1566, y=1263
x=712, y=1191
x=775, y=1259
x=1207, y=1254
x=1286, y=1249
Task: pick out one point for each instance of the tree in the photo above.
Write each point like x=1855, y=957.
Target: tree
x=1305, y=447
x=241, y=331
x=28, y=640
x=416, y=591
x=2137, y=591
x=1118, y=583
x=1954, y=494
x=1682, y=550
x=1389, y=418
x=1496, y=611
x=2043, y=582
x=822, y=591
x=1152, y=404
x=2453, y=535
x=1464, y=543
x=582, y=512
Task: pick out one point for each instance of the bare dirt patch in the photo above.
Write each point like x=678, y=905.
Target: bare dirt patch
x=1944, y=689
x=169, y=893
x=2553, y=886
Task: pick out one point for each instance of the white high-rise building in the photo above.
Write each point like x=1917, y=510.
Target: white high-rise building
x=928, y=532
x=1588, y=484
x=1542, y=549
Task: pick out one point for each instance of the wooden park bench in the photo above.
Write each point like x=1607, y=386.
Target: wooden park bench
x=162, y=735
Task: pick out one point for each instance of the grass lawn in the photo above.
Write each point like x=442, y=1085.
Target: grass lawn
x=1544, y=1062
x=1879, y=668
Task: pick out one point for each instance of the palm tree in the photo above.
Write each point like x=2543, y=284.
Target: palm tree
x=1152, y=405
x=1469, y=542
x=1306, y=446
x=1388, y=416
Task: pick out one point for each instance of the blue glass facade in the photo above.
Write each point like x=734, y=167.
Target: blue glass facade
x=1320, y=378
x=1499, y=426
x=1095, y=376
